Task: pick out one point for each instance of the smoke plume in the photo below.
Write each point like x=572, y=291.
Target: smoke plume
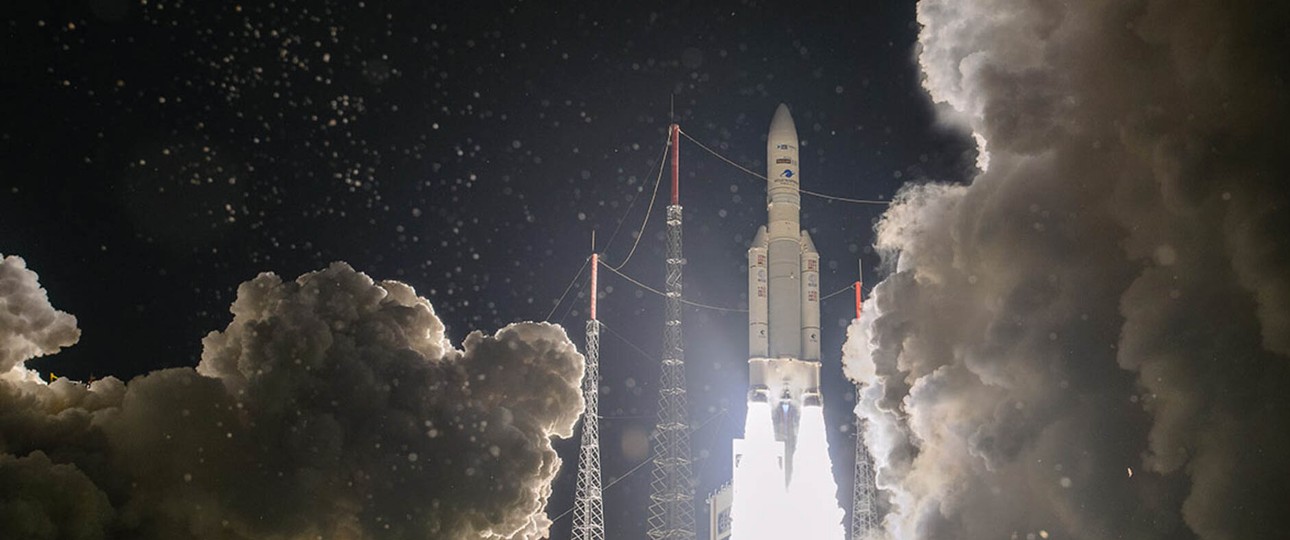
x=29, y=326
x=331, y=407
x=1092, y=339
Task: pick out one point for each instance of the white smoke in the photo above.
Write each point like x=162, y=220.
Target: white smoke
x=332, y=406
x=29, y=326
x=1092, y=340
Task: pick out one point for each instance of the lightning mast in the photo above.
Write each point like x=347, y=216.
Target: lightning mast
x=589, y=508
x=864, y=509
x=671, y=511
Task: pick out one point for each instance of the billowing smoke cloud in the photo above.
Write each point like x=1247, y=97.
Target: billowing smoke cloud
x=1092, y=339
x=331, y=407
x=29, y=326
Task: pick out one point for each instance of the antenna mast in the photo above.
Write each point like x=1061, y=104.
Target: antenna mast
x=671, y=515
x=864, y=507
x=588, y=506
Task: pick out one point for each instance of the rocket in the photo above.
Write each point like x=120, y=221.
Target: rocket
x=783, y=292
x=783, y=485
x=784, y=267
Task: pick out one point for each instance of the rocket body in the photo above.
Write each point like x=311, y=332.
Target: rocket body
x=773, y=483
x=783, y=285
x=783, y=235
x=783, y=294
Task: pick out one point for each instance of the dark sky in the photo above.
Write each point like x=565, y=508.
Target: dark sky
x=157, y=154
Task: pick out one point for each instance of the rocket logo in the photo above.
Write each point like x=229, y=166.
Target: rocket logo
x=788, y=173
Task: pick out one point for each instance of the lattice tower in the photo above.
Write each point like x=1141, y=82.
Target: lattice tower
x=588, y=506
x=864, y=511
x=865, y=520
x=671, y=512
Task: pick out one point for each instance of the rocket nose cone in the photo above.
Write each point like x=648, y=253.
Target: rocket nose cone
x=782, y=124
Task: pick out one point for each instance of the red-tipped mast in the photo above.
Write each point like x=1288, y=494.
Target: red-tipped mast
x=859, y=302
x=671, y=510
x=860, y=292
x=595, y=265
x=676, y=182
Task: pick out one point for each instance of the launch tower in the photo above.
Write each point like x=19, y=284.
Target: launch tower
x=671, y=511
x=864, y=506
x=589, y=507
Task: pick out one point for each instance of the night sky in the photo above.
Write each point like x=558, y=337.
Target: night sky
x=1078, y=299
x=157, y=154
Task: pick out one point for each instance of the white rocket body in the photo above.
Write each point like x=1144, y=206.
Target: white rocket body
x=783, y=286
x=783, y=294
x=783, y=235
x=783, y=363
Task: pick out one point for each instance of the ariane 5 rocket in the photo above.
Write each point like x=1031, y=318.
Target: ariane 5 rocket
x=783, y=483
x=783, y=293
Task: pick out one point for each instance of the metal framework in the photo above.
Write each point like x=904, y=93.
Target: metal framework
x=864, y=511
x=588, y=506
x=671, y=515
x=864, y=507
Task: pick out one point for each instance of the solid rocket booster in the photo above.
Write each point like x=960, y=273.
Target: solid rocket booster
x=810, y=299
x=758, y=331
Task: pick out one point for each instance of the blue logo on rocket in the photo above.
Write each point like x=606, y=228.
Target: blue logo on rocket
x=788, y=173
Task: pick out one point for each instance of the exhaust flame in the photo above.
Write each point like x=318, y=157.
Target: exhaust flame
x=764, y=506
x=760, y=492
x=812, y=490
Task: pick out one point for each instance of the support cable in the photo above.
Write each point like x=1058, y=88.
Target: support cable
x=763, y=177
x=647, y=460
x=645, y=222
x=638, y=283
x=837, y=292
x=644, y=354
x=567, y=289
x=657, y=181
x=664, y=295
